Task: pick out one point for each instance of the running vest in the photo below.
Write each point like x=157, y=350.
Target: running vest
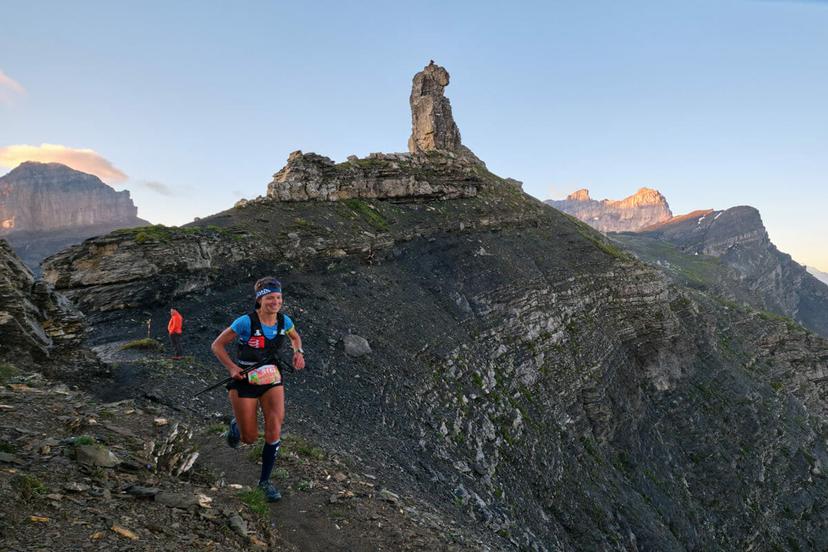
x=258, y=348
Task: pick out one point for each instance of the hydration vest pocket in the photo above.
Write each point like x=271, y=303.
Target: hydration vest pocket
x=256, y=342
x=264, y=375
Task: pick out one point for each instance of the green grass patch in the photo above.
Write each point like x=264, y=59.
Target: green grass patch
x=477, y=379
x=367, y=213
x=143, y=234
x=144, y=344
x=165, y=234
x=255, y=500
x=305, y=224
x=698, y=271
x=773, y=317
x=7, y=371
x=304, y=485
x=28, y=486
x=367, y=163
x=280, y=473
x=83, y=440
x=255, y=453
x=301, y=447
x=217, y=428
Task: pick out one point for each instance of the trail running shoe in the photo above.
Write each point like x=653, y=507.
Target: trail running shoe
x=270, y=491
x=233, y=436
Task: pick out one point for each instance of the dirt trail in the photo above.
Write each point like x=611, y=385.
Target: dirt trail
x=126, y=496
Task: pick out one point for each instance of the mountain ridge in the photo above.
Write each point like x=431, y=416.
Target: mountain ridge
x=646, y=206
x=756, y=271
x=527, y=378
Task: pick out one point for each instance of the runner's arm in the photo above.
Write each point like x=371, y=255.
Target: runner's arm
x=296, y=343
x=219, y=348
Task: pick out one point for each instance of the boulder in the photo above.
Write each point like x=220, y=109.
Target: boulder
x=95, y=455
x=356, y=346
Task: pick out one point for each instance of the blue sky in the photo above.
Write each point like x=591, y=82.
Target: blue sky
x=715, y=103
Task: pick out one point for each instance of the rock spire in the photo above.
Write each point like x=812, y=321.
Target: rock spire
x=433, y=127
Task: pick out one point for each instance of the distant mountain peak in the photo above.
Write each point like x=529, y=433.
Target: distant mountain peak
x=644, y=208
x=47, y=206
x=36, y=167
x=645, y=196
x=579, y=195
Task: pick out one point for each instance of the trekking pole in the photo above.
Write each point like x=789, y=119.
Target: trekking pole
x=279, y=364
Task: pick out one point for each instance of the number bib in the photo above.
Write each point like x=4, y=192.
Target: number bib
x=264, y=375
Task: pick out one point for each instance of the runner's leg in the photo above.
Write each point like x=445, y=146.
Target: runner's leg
x=244, y=409
x=273, y=406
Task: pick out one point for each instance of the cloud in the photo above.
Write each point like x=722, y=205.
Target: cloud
x=158, y=187
x=10, y=89
x=85, y=160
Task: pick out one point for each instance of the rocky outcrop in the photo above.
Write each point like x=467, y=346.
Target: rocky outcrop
x=437, y=167
x=433, y=127
x=36, y=323
x=749, y=267
x=312, y=177
x=45, y=207
x=131, y=267
x=644, y=208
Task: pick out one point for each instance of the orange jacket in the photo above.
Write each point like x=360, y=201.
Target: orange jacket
x=176, y=323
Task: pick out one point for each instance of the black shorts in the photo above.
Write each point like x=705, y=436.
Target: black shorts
x=247, y=390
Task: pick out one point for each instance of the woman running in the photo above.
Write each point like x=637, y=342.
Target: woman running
x=258, y=336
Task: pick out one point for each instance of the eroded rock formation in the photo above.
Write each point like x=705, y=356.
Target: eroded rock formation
x=35, y=322
x=645, y=207
x=433, y=125
x=312, y=177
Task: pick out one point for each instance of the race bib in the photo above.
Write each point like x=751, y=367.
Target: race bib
x=264, y=375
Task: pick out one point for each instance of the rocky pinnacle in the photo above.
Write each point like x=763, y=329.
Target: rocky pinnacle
x=433, y=127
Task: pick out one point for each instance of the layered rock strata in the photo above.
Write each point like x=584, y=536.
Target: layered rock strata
x=35, y=322
x=131, y=267
x=438, y=175
x=644, y=208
